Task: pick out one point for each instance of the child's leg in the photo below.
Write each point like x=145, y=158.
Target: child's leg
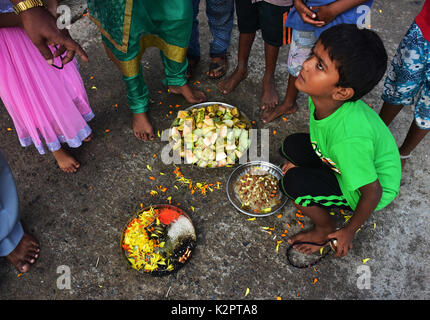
x=300, y=48
x=298, y=151
x=408, y=77
x=241, y=72
x=288, y=105
x=275, y=35
x=270, y=97
x=312, y=186
x=175, y=79
x=21, y=249
x=413, y=138
x=65, y=161
x=313, y=191
x=389, y=112
x=220, y=15
x=248, y=24
x=193, y=53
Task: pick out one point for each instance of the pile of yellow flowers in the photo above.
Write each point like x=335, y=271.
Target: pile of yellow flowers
x=141, y=251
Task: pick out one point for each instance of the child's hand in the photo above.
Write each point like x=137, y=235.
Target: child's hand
x=287, y=166
x=52, y=7
x=307, y=15
x=324, y=13
x=344, y=241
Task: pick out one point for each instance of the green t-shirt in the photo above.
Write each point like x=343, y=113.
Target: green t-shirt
x=359, y=148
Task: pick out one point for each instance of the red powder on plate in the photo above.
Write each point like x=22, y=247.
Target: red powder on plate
x=166, y=216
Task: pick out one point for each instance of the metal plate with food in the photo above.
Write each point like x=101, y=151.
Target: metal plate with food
x=158, y=240
x=210, y=134
x=253, y=189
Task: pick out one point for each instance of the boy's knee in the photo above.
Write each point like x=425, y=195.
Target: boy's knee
x=292, y=143
x=288, y=183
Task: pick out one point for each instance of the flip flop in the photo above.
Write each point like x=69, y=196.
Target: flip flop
x=218, y=67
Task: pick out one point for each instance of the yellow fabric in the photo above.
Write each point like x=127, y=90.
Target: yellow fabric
x=130, y=68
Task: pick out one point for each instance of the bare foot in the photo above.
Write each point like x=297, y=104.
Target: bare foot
x=25, y=253
x=192, y=95
x=271, y=114
x=65, y=161
x=270, y=98
x=88, y=139
x=142, y=127
x=287, y=166
x=317, y=235
x=228, y=84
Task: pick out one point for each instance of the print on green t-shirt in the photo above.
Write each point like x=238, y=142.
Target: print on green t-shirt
x=356, y=144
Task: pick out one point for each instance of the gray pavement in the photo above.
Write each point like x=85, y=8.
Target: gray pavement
x=78, y=218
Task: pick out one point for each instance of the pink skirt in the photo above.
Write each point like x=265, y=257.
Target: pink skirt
x=48, y=106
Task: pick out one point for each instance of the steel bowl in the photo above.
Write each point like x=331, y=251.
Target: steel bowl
x=265, y=168
x=243, y=118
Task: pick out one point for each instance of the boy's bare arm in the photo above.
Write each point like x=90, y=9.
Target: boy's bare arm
x=51, y=5
x=370, y=196
x=9, y=20
x=330, y=11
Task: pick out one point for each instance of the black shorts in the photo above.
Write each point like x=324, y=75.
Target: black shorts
x=265, y=16
x=312, y=182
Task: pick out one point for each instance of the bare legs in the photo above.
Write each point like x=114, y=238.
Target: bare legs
x=288, y=106
x=414, y=136
x=241, y=72
x=270, y=97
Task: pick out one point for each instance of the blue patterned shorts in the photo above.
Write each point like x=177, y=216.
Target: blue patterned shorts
x=300, y=49
x=408, y=76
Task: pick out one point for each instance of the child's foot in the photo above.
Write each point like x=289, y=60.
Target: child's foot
x=25, y=253
x=271, y=114
x=270, y=98
x=88, y=139
x=228, y=84
x=317, y=235
x=190, y=94
x=142, y=127
x=65, y=161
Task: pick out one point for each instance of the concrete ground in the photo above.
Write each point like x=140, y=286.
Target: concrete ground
x=78, y=218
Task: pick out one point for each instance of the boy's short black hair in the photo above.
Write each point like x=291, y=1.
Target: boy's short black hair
x=359, y=55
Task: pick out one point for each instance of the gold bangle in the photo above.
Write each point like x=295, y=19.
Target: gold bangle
x=27, y=4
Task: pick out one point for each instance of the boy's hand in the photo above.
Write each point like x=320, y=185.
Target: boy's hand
x=287, y=166
x=344, y=241
x=307, y=15
x=324, y=13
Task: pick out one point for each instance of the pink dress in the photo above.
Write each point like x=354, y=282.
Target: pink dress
x=48, y=106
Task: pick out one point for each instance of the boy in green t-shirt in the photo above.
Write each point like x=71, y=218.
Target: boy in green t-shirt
x=349, y=159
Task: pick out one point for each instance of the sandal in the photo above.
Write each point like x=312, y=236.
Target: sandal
x=406, y=156
x=219, y=67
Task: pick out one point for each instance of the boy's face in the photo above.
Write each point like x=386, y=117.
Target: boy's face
x=319, y=75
